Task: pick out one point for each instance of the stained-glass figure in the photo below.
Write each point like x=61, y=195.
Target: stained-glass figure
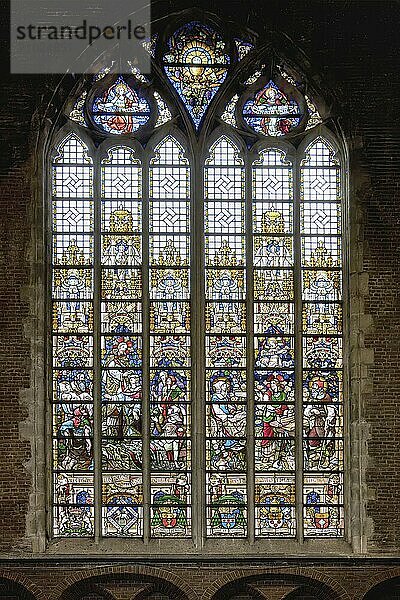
x=120, y=385
x=271, y=111
x=197, y=64
x=227, y=417
x=120, y=109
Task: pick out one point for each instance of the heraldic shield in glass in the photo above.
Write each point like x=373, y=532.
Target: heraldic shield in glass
x=197, y=301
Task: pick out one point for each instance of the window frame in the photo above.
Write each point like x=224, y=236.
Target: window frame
x=196, y=148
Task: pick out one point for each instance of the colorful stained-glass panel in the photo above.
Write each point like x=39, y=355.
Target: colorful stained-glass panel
x=171, y=505
x=122, y=500
x=170, y=381
x=72, y=348
x=226, y=397
x=323, y=434
x=120, y=109
x=197, y=64
x=274, y=358
x=121, y=351
x=226, y=505
x=271, y=111
x=275, y=506
x=73, y=512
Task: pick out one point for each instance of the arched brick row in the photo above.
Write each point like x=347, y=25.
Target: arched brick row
x=154, y=579
x=305, y=588
x=86, y=591
x=386, y=590
x=94, y=587
x=12, y=590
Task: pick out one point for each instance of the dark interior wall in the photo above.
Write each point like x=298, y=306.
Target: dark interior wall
x=354, y=46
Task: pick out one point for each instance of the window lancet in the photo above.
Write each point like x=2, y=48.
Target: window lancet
x=197, y=306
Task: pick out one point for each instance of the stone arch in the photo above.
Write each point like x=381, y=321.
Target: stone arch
x=155, y=580
x=313, y=585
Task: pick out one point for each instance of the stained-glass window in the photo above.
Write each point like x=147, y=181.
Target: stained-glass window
x=120, y=108
x=197, y=314
x=271, y=112
x=196, y=63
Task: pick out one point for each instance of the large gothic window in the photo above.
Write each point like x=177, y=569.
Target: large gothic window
x=196, y=281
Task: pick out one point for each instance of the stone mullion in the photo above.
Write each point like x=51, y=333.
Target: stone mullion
x=250, y=349
x=97, y=441
x=145, y=350
x=298, y=351
x=197, y=308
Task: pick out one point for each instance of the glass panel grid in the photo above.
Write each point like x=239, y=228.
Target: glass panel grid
x=170, y=384
x=226, y=387
x=72, y=347
x=274, y=357
x=121, y=351
x=322, y=411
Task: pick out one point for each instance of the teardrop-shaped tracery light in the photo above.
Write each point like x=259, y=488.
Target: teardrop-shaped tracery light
x=120, y=109
x=197, y=65
x=271, y=112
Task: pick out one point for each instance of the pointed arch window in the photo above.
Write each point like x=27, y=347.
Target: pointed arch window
x=197, y=304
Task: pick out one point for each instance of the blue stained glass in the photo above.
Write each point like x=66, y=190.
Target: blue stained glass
x=197, y=65
x=271, y=112
x=120, y=109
